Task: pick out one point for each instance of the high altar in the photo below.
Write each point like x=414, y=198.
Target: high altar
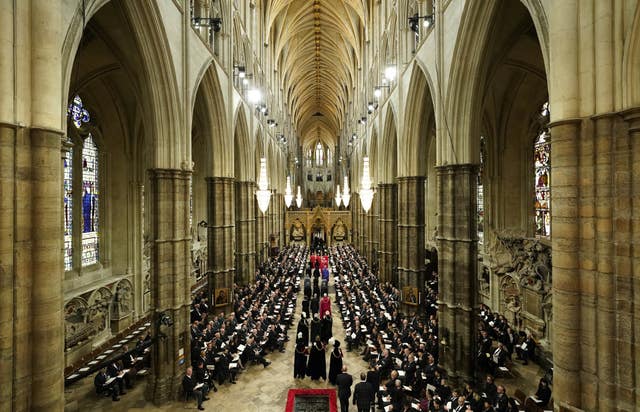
x=332, y=226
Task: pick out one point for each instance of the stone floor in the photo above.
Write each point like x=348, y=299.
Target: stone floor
x=265, y=389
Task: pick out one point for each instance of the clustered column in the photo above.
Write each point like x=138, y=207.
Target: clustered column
x=355, y=214
x=457, y=251
x=372, y=226
x=245, y=232
x=261, y=230
x=388, y=221
x=170, y=271
x=221, y=217
x=411, y=267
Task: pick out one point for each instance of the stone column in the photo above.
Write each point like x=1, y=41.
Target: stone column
x=388, y=226
x=10, y=359
x=355, y=235
x=245, y=232
x=221, y=235
x=271, y=216
x=457, y=242
x=260, y=237
x=567, y=273
x=364, y=232
x=372, y=225
x=627, y=255
x=411, y=268
x=31, y=329
x=170, y=281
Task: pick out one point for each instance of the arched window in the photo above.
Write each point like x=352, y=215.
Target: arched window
x=542, y=175
x=81, y=170
x=319, y=155
x=329, y=157
x=480, y=207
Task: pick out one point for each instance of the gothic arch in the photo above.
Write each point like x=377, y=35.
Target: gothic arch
x=209, y=120
x=242, y=147
x=419, y=123
x=156, y=81
x=388, y=164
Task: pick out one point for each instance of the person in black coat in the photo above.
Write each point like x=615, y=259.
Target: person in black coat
x=344, y=382
x=300, y=360
x=115, y=370
x=317, y=366
x=314, y=305
x=363, y=394
x=305, y=305
x=100, y=382
x=326, y=327
x=303, y=328
x=335, y=362
x=189, y=388
x=316, y=328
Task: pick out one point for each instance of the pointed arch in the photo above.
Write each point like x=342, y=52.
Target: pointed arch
x=243, y=169
x=631, y=66
x=419, y=123
x=388, y=167
x=209, y=119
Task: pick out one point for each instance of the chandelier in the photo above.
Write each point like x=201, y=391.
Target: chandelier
x=366, y=193
x=299, y=198
x=346, y=196
x=263, y=194
x=288, y=196
x=338, y=197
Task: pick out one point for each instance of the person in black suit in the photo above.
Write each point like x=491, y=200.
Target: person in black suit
x=100, y=382
x=115, y=370
x=344, y=382
x=189, y=388
x=363, y=394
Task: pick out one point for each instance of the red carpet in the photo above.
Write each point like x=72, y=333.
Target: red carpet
x=301, y=394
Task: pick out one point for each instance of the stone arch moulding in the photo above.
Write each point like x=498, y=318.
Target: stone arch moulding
x=631, y=66
x=243, y=170
x=420, y=101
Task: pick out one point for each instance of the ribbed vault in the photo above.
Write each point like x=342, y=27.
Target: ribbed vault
x=316, y=46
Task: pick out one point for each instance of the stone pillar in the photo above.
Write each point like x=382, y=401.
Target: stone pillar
x=628, y=259
x=245, y=232
x=457, y=242
x=260, y=237
x=221, y=236
x=272, y=217
x=567, y=273
x=364, y=233
x=372, y=225
x=170, y=281
x=388, y=226
x=355, y=231
x=411, y=268
x=31, y=267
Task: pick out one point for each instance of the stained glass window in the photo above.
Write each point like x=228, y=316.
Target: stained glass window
x=77, y=112
x=542, y=182
x=480, y=208
x=319, y=155
x=68, y=210
x=90, y=197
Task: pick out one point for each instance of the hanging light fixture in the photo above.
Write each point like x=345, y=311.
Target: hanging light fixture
x=288, y=196
x=346, y=196
x=366, y=193
x=338, y=197
x=263, y=194
x=299, y=199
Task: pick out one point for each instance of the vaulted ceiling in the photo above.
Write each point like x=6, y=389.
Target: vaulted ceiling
x=316, y=45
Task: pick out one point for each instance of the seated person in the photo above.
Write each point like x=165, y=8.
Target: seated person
x=202, y=376
x=104, y=388
x=115, y=370
x=191, y=388
x=541, y=399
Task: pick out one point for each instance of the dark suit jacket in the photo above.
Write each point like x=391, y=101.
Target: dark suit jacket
x=188, y=383
x=363, y=395
x=344, y=382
